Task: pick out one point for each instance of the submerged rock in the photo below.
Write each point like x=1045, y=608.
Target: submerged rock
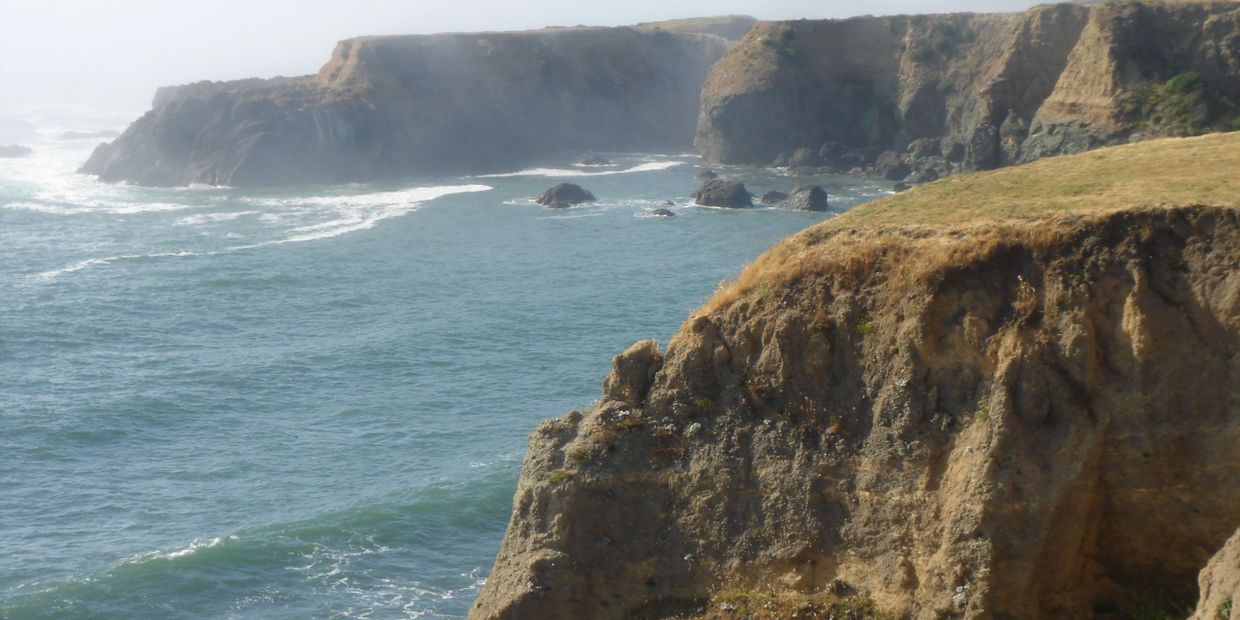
x=806, y=198
x=707, y=175
x=663, y=213
x=595, y=160
x=719, y=193
x=565, y=195
x=14, y=150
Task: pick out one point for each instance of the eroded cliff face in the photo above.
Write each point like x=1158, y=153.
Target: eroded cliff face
x=1219, y=583
x=407, y=105
x=920, y=97
x=1028, y=419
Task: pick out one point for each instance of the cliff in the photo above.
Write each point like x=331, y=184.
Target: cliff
x=919, y=97
x=408, y=105
x=1012, y=394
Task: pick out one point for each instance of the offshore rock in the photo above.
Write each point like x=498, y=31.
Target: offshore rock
x=806, y=198
x=773, y=197
x=565, y=195
x=720, y=193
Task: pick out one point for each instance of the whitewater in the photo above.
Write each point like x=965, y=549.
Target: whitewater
x=313, y=401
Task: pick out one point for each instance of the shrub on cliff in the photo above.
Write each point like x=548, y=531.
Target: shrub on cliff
x=1183, y=105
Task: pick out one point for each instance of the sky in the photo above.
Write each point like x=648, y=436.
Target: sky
x=112, y=54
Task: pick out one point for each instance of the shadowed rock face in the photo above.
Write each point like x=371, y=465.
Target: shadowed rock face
x=721, y=193
x=399, y=106
x=951, y=93
x=1044, y=412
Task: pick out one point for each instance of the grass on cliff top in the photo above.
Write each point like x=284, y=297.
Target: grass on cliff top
x=911, y=236
x=1176, y=171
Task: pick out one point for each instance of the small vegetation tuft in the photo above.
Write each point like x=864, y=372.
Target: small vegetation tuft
x=1183, y=105
x=755, y=605
x=866, y=325
x=1153, y=606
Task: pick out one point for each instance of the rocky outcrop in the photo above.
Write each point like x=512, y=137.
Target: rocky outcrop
x=773, y=197
x=565, y=195
x=14, y=150
x=1219, y=583
x=1013, y=418
x=721, y=193
x=404, y=105
x=807, y=198
x=730, y=27
x=937, y=94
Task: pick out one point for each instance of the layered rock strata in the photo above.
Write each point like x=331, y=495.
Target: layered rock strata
x=918, y=97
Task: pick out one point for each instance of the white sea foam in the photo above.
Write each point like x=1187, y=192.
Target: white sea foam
x=352, y=213
x=344, y=214
x=568, y=172
x=53, y=274
x=122, y=208
x=410, y=196
x=197, y=545
x=211, y=218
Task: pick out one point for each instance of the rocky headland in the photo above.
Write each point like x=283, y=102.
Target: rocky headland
x=909, y=98
x=1009, y=394
x=409, y=105
x=919, y=97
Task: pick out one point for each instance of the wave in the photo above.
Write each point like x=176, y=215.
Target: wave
x=350, y=213
x=53, y=208
x=359, y=211
x=418, y=553
x=568, y=172
x=52, y=274
x=410, y=196
x=211, y=218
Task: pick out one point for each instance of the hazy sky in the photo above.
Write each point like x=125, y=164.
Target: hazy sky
x=113, y=53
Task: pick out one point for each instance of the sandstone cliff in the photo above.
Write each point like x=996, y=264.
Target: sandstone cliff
x=1220, y=583
x=408, y=105
x=979, y=415
x=947, y=93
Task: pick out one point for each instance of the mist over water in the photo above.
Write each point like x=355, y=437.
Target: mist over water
x=312, y=401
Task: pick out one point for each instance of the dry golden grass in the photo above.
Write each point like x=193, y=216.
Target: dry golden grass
x=1176, y=171
x=914, y=235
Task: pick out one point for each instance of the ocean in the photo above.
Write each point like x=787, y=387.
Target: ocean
x=313, y=402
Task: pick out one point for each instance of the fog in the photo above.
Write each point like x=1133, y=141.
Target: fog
x=112, y=54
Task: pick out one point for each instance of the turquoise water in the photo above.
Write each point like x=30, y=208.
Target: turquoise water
x=312, y=402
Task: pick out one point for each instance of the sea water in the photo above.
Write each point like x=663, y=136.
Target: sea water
x=313, y=401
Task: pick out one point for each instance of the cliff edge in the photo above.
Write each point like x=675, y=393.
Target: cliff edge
x=1013, y=394
x=919, y=97
x=400, y=106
